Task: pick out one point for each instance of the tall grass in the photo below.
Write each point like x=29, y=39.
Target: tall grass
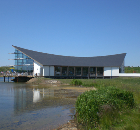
x=126, y=118
x=103, y=107
x=132, y=69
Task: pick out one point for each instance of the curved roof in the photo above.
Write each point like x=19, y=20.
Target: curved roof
x=58, y=60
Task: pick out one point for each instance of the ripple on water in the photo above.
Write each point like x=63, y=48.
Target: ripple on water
x=26, y=107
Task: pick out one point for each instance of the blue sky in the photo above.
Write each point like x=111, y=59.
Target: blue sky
x=82, y=28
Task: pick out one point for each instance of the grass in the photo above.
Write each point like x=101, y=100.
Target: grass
x=128, y=118
x=132, y=69
x=125, y=83
x=102, y=108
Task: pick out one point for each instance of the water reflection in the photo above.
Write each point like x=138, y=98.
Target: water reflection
x=26, y=99
x=36, y=95
x=22, y=106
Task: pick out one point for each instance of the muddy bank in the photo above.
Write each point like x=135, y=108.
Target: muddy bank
x=70, y=125
x=44, y=81
x=62, y=90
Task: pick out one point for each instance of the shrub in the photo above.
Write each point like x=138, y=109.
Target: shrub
x=76, y=82
x=90, y=84
x=94, y=107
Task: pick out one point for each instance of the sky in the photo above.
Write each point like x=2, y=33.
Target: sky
x=82, y=28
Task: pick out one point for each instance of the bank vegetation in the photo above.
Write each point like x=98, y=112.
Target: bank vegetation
x=114, y=104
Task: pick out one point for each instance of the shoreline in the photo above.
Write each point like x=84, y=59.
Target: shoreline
x=70, y=125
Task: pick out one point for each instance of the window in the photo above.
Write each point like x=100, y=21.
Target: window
x=71, y=71
x=85, y=71
x=57, y=71
x=64, y=70
x=99, y=71
x=78, y=71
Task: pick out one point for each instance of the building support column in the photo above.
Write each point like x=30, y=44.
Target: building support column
x=68, y=71
x=88, y=72
x=54, y=70
x=81, y=72
x=74, y=71
x=103, y=72
x=49, y=71
x=96, y=73
x=60, y=71
x=111, y=73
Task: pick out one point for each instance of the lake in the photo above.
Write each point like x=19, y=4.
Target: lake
x=24, y=106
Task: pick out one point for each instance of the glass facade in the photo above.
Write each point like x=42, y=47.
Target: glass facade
x=85, y=71
x=78, y=71
x=71, y=71
x=92, y=71
x=22, y=62
x=64, y=70
x=57, y=71
x=99, y=71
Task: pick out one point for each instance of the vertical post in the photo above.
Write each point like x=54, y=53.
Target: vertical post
x=60, y=71
x=8, y=78
x=54, y=70
x=49, y=71
x=33, y=70
x=96, y=72
x=111, y=73
x=74, y=71
x=4, y=78
x=88, y=72
x=103, y=72
x=27, y=70
x=67, y=70
x=81, y=72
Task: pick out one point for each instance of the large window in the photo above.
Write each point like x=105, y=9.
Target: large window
x=92, y=71
x=22, y=62
x=99, y=71
x=64, y=70
x=78, y=71
x=57, y=71
x=71, y=71
x=85, y=71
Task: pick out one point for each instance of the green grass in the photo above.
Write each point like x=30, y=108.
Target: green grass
x=127, y=119
x=132, y=69
x=103, y=106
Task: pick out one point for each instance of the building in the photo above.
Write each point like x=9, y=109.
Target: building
x=23, y=63
x=57, y=66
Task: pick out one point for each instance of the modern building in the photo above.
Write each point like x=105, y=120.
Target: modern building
x=23, y=63
x=58, y=66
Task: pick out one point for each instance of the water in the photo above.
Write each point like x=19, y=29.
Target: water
x=6, y=79
x=33, y=107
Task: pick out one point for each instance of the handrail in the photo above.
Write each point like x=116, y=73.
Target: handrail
x=16, y=74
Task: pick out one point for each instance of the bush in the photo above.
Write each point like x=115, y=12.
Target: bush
x=95, y=107
x=76, y=82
